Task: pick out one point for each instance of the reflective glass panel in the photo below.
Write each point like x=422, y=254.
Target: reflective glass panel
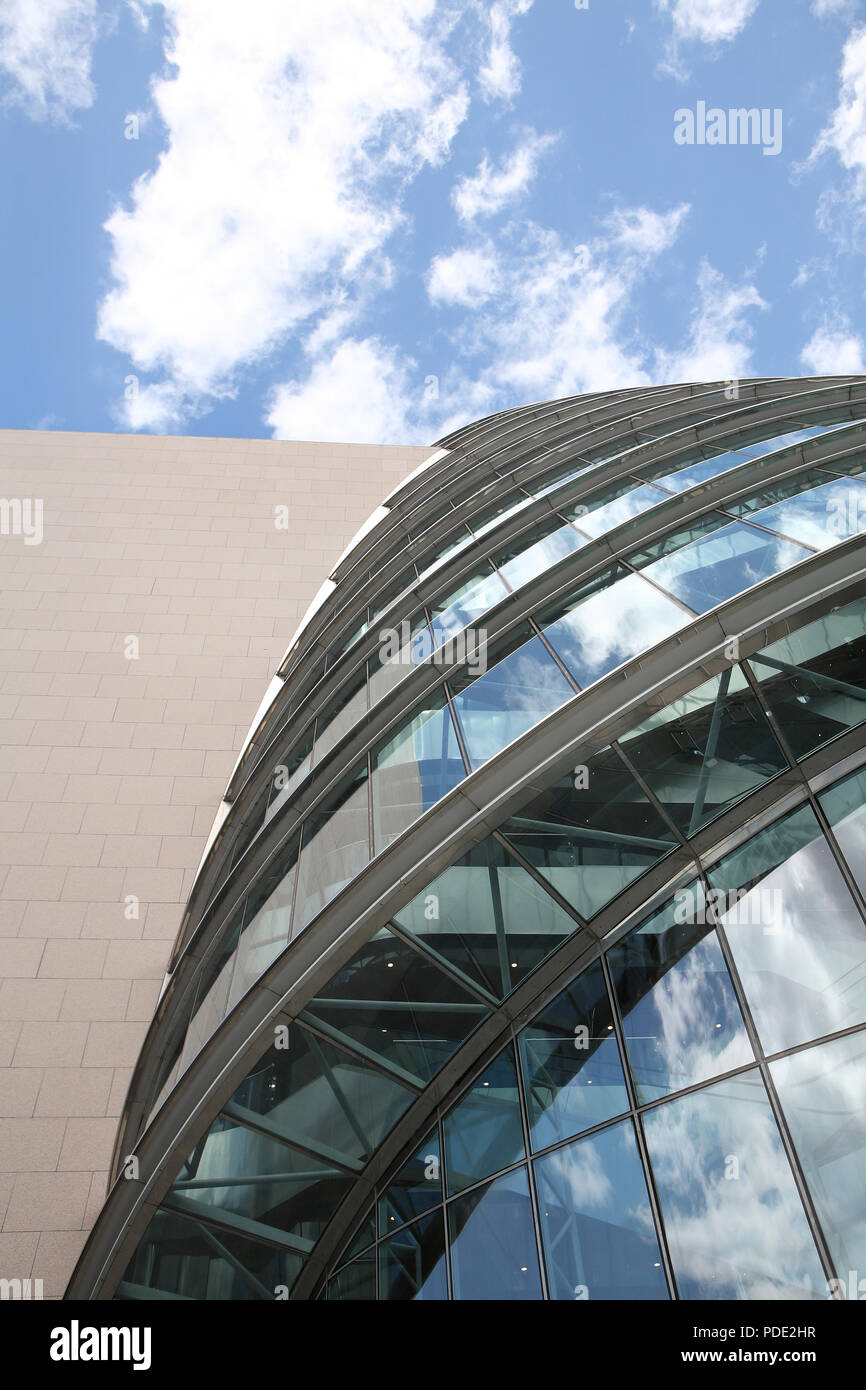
x=714, y=569
x=732, y=1214
x=484, y=1132
x=412, y=1262
x=798, y=941
x=569, y=1057
x=591, y=840
x=536, y=551
x=815, y=680
x=634, y=502
x=619, y=617
x=335, y=847
x=267, y=921
x=514, y=695
x=705, y=750
x=493, y=1250
x=596, y=1220
x=823, y=1095
x=343, y=713
x=355, y=1282
x=680, y=1016
x=488, y=917
x=400, y=650
x=845, y=807
x=414, y=770
x=822, y=517
x=467, y=604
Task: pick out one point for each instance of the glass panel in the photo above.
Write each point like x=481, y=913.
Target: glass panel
x=798, y=941
x=595, y=521
x=619, y=616
x=412, y=1262
x=341, y=715
x=527, y=557
x=691, y=474
x=288, y=774
x=488, y=917
x=569, y=1057
x=714, y=569
x=815, y=680
x=822, y=517
x=416, y=1188
x=672, y=541
x=593, y=839
x=514, y=695
x=356, y=1282
x=680, y=1016
x=732, y=1214
x=267, y=921
x=493, y=1250
x=414, y=770
x=596, y=1221
x=845, y=807
x=483, y=1132
x=334, y=1107
x=365, y=1237
x=779, y=491
x=335, y=847
x=823, y=1094
x=480, y=592
x=187, y=1259
x=400, y=650
x=491, y=517
x=705, y=750
x=212, y=991
x=237, y=1173
x=390, y=1001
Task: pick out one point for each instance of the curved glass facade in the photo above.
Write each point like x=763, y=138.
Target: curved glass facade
x=530, y=959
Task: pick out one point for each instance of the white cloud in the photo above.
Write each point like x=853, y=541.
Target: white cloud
x=488, y=190
x=138, y=14
x=823, y=8
x=846, y=134
x=500, y=75
x=361, y=394
x=708, y=21
x=466, y=276
x=834, y=350
x=45, y=54
x=292, y=130
x=718, y=348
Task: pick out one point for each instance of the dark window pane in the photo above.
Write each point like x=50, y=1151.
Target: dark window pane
x=823, y=1094
x=488, y=917
x=493, y=1250
x=355, y=1283
x=591, y=840
x=267, y=921
x=815, y=680
x=394, y=1003
x=416, y=1188
x=596, y=1221
x=236, y=1172
x=363, y=1239
x=733, y=1217
x=334, y=1107
x=705, y=750
x=798, y=941
x=412, y=1262
x=570, y=1060
x=188, y=1259
x=680, y=1016
x=483, y=1132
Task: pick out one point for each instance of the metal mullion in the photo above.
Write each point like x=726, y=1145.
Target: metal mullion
x=339, y=1095
x=342, y=1040
x=637, y=1126
x=660, y=810
x=809, y=1210
x=580, y=923
x=530, y=1171
x=423, y=949
x=632, y=569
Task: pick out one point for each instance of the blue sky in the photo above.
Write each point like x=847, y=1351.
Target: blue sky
x=326, y=219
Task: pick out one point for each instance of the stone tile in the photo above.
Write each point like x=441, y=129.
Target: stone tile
x=48, y=1201
x=30, y=1146
x=83, y=1091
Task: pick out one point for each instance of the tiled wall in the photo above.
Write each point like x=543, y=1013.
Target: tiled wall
x=112, y=766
